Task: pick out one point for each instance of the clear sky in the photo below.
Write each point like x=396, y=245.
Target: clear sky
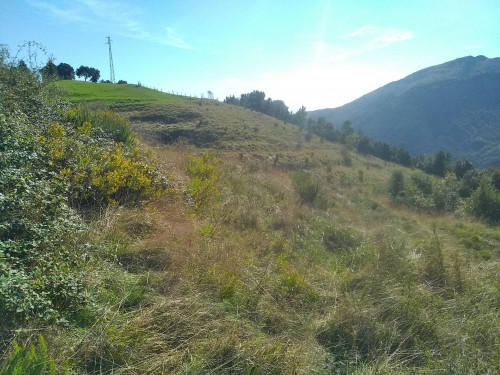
x=316, y=53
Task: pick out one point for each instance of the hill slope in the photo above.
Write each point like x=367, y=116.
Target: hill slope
x=454, y=106
x=271, y=254
x=123, y=95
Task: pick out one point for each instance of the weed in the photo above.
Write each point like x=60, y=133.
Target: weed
x=31, y=360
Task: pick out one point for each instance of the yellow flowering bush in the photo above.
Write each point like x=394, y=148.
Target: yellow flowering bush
x=204, y=173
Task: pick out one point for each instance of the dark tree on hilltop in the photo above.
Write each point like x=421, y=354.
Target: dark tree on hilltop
x=232, y=100
x=254, y=100
x=65, y=71
x=49, y=70
x=83, y=71
x=88, y=72
x=94, y=74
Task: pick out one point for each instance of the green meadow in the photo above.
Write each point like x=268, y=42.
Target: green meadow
x=114, y=95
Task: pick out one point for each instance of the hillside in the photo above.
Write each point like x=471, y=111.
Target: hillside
x=123, y=95
x=267, y=253
x=454, y=106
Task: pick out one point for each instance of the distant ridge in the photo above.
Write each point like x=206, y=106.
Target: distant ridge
x=453, y=106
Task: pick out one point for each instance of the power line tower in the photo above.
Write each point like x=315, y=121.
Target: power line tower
x=111, y=67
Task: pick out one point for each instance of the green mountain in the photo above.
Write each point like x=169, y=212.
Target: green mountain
x=454, y=107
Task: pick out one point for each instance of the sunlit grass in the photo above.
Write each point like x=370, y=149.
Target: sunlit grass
x=114, y=95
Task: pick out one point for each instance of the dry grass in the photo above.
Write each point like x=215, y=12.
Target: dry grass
x=249, y=284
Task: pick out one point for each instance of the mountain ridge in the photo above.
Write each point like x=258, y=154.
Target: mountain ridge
x=454, y=106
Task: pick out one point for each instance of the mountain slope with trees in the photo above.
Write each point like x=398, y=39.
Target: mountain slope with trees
x=454, y=107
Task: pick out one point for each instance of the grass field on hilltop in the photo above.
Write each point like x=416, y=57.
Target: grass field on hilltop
x=114, y=95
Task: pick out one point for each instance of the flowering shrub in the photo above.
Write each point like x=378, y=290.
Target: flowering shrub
x=53, y=162
x=204, y=173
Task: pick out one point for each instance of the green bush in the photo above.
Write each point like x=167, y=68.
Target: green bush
x=33, y=360
x=337, y=239
x=485, y=202
x=308, y=189
x=109, y=123
x=423, y=192
x=396, y=184
x=204, y=174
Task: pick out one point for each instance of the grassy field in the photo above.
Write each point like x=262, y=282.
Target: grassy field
x=272, y=254
x=114, y=95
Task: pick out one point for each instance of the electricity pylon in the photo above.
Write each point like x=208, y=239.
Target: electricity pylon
x=111, y=67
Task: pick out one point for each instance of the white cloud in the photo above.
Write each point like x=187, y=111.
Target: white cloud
x=361, y=31
x=172, y=39
x=378, y=37
x=361, y=41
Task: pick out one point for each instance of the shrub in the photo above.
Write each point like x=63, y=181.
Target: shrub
x=485, y=202
x=31, y=361
x=52, y=162
x=336, y=239
x=204, y=174
x=445, y=193
x=396, y=184
x=307, y=188
x=110, y=124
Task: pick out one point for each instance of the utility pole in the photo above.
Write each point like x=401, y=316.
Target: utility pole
x=111, y=67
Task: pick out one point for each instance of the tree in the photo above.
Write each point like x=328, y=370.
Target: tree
x=495, y=179
x=21, y=65
x=440, y=162
x=65, y=71
x=403, y=157
x=49, y=70
x=347, y=128
x=83, y=71
x=88, y=72
x=485, y=202
x=396, y=184
x=232, y=100
x=364, y=145
x=300, y=117
x=94, y=74
x=462, y=166
x=254, y=100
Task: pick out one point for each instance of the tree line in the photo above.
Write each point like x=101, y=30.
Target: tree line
x=256, y=101
x=65, y=71
x=437, y=164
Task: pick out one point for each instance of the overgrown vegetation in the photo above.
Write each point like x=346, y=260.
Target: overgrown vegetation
x=273, y=253
x=448, y=194
x=54, y=165
x=32, y=360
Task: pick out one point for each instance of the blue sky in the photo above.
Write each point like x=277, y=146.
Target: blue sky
x=319, y=54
